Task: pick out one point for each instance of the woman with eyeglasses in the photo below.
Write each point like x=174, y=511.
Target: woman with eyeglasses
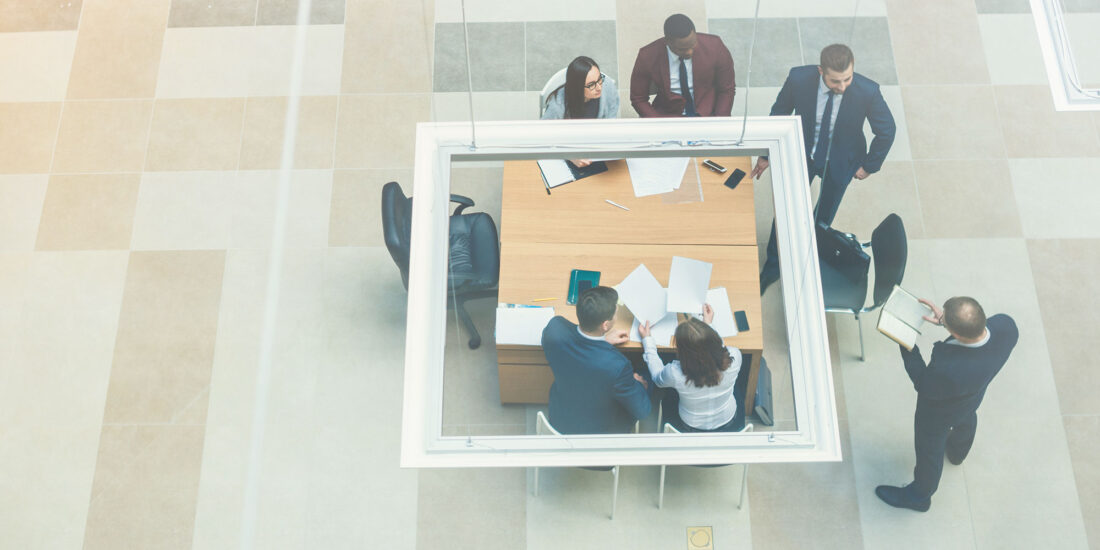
x=587, y=93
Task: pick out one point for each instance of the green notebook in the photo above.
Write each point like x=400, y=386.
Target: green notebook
x=580, y=281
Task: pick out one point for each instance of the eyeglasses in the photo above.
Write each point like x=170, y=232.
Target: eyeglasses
x=592, y=85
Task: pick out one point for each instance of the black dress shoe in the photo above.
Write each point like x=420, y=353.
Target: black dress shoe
x=899, y=497
x=767, y=277
x=956, y=457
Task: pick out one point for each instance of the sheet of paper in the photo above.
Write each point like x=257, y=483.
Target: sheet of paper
x=723, y=322
x=643, y=295
x=653, y=176
x=662, y=332
x=556, y=172
x=522, y=325
x=906, y=307
x=688, y=281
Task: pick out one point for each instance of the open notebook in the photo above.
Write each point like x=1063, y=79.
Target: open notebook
x=902, y=317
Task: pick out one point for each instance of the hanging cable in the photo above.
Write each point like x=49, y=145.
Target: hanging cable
x=469, y=77
x=748, y=76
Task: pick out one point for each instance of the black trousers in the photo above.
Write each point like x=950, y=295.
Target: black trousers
x=932, y=438
x=828, y=202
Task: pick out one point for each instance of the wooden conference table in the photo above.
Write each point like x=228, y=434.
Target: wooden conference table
x=544, y=237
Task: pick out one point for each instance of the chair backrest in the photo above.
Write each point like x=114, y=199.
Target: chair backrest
x=542, y=425
x=670, y=429
x=891, y=250
x=397, y=226
x=555, y=82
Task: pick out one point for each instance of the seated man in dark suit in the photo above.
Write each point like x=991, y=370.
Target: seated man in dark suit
x=595, y=388
x=949, y=390
x=692, y=73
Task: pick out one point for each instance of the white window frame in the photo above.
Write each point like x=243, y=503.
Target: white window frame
x=1065, y=85
x=817, y=437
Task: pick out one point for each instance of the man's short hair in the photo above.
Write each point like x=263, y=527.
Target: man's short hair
x=596, y=305
x=964, y=316
x=677, y=26
x=836, y=58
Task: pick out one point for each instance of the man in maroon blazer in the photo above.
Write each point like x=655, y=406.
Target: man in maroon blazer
x=692, y=73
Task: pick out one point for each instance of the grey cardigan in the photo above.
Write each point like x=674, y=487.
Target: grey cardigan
x=609, y=102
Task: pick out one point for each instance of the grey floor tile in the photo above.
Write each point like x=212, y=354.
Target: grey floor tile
x=548, y=51
x=774, y=53
x=1083, y=436
x=1032, y=128
x=496, y=57
x=479, y=509
x=869, y=38
x=1065, y=279
x=936, y=42
x=1083, y=38
x=890, y=190
x=455, y=106
x=203, y=13
x=1002, y=6
x=1012, y=49
x=285, y=12
x=967, y=199
x=952, y=122
x=1057, y=197
x=1082, y=6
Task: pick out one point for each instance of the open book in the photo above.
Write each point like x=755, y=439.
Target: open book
x=557, y=172
x=901, y=317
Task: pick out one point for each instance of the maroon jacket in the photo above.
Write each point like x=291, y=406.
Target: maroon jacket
x=712, y=77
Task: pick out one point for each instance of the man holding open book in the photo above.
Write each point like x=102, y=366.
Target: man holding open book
x=949, y=389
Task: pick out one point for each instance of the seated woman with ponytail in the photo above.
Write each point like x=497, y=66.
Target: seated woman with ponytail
x=587, y=93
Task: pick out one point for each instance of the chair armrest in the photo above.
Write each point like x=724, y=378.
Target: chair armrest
x=463, y=203
x=866, y=244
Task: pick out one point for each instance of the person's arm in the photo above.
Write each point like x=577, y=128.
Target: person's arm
x=657, y=368
x=631, y=394
x=639, y=89
x=555, y=106
x=611, y=96
x=882, y=125
x=914, y=365
x=725, y=87
x=784, y=105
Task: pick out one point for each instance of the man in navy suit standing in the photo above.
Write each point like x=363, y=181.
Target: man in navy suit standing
x=836, y=150
x=949, y=390
x=595, y=388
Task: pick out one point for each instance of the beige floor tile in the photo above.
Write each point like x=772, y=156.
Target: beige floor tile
x=265, y=118
x=102, y=136
x=308, y=209
x=1012, y=48
x=890, y=190
x=1064, y=272
x=967, y=198
x=27, y=132
x=356, y=218
x=1056, y=197
x=379, y=131
x=118, y=49
x=1032, y=128
x=900, y=149
x=185, y=210
x=1083, y=435
x=799, y=8
x=165, y=346
x=195, y=134
x=951, y=122
x=936, y=42
x=34, y=66
x=21, y=199
x=202, y=13
x=285, y=12
x=85, y=212
x=640, y=22
x=146, y=481
x=450, y=11
x=248, y=61
x=388, y=47
x=24, y=16
x=494, y=500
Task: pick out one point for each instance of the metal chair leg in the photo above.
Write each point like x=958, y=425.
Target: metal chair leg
x=464, y=316
x=744, y=485
x=660, y=413
x=859, y=323
x=661, y=490
x=614, y=490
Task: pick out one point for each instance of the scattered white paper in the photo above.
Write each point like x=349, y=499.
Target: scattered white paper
x=522, y=325
x=653, y=176
x=556, y=172
x=643, y=295
x=687, y=284
x=661, y=332
x=723, y=322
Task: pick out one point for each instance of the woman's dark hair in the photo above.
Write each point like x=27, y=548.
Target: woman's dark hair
x=703, y=357
x=575, y=76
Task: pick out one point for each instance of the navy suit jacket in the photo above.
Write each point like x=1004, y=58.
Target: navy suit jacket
x=594, y=389
x=953, y=383
x=862, y=101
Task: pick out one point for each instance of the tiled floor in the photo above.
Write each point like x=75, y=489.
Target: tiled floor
x=140, y=142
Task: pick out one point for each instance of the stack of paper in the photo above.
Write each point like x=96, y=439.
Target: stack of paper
x=522, y=325
x=653, y=176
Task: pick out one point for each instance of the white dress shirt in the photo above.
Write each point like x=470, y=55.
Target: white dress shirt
x=978, y=344
x=822, y=99
x=674, y=74
x=703, y=408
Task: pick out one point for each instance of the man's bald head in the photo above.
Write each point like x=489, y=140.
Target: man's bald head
x=964, y=317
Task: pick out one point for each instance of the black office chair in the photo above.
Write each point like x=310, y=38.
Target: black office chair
x=474, y=250
x=890, y=250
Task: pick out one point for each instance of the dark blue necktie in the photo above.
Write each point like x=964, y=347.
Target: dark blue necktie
x=822, y=149
x=689, y=103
